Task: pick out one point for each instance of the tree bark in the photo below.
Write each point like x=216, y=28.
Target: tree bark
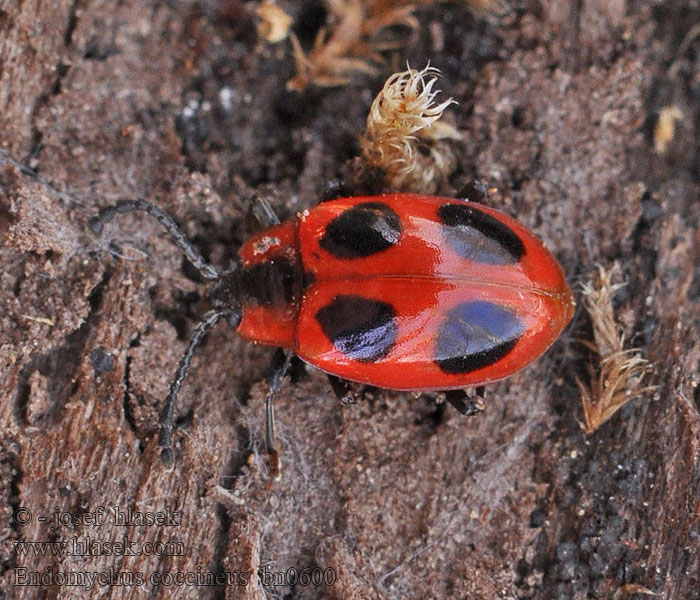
x=394, y=496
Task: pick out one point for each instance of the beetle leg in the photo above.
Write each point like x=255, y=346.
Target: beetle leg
x=263, y=212
x=464, y=403
x=342, y=389
x=297, y=369
x=167, y=415
x=475, y=191
x=278, y=367
x=332, y=190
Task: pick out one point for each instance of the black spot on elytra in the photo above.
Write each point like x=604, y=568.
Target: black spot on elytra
x=475, y=335
x=478, y=236
x=362, y=329
x=362, y=230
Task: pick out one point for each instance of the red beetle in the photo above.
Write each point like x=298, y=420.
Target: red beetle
x=399, y=291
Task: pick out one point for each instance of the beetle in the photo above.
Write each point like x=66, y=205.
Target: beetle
x=399, y=291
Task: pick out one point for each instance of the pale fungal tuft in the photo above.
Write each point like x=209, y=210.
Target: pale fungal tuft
x=273, y=25
x=351, y=44
x=665, y=129
x=403, y=116
x=620, y=373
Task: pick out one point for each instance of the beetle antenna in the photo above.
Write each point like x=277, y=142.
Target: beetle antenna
x=167, y=416
x=106, y=214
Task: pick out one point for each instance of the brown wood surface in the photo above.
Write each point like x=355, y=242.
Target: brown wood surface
x=178, y=102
